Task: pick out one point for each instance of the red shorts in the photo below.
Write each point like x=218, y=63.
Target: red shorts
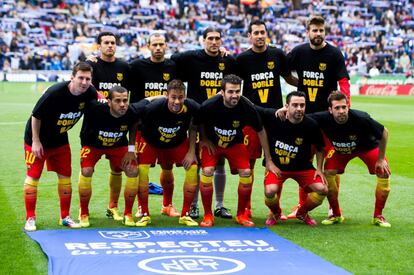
x=137, y=140
x=252, y=142
x=57, y=159
x=89, y=156
x=328, y=148
x=237, y=156
x=303, y=178
x=339, y=161
x=148, y=154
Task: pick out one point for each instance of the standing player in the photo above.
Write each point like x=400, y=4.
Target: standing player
x=320, y=68
x=221, y=121
x=165, y=123
x=292, y=142
x=260, y=67
x=354, y=134
x=104, y=132
x=203, y=70
x=150, y=77
x=46, y=139
x=109, y=71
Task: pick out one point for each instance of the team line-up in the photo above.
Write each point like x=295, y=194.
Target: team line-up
x=141, y=114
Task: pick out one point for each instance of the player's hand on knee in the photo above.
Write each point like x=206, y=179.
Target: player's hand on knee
x=320, y=174
x=270, y=166
x=128, y=160
x=382, y=169
x=188, y=160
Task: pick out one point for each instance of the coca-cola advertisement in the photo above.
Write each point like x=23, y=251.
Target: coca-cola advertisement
x=384, y=89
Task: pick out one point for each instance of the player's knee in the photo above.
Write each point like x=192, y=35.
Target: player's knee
x=322, y=190
x=131, y=171
x=270, y=190
x=316, y=197
x=31, y=182
x=245, y=172
x=87, y=171
x=208, y=171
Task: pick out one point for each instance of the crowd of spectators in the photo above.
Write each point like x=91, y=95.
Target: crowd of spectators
x=375, y=36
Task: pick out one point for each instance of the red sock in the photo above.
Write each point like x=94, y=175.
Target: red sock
x=30, y=198
x=115, y=185
x=244, y=191
x=302, y=196
x=167, y=183
x=273, y=204
x=206, y=190
x=381, y=195
x=65, y=196
x=130, y=191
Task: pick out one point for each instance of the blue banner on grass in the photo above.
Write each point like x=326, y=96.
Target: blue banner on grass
x=177, y=251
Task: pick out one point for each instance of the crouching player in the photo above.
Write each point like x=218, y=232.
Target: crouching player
x=104, y=132
x=221, y=119
x=354, y=134
x=291, y=143
x=165, y=123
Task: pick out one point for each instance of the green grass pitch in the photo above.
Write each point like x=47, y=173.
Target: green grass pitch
x=356, y=246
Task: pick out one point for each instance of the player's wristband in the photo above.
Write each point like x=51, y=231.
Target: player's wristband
x=131, y=148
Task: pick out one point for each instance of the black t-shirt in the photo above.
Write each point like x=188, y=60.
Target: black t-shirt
x=102, y=130
x=359, y=133
x=58, y=111
x=163, y=129
x=202, y=72
x=290, y=144
x=318, y=72
x=222, y=125
x=109, y=74
x=261, y=76
x=149, y=78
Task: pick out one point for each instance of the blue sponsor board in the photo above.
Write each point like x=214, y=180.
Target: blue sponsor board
x=177, y=251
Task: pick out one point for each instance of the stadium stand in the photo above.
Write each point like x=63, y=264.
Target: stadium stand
x=375, y=36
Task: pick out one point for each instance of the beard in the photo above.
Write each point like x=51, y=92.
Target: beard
x=317, y=41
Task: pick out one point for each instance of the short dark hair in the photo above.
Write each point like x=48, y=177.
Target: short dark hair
x=99, y=38
x=211, y=29
x=294, y=93
x=315, y=20
x=335, y=96
x=232, y=79
x=81, y=66
x=116, y=89
x=176, y=84
x=156, y=34
x=256, y=22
